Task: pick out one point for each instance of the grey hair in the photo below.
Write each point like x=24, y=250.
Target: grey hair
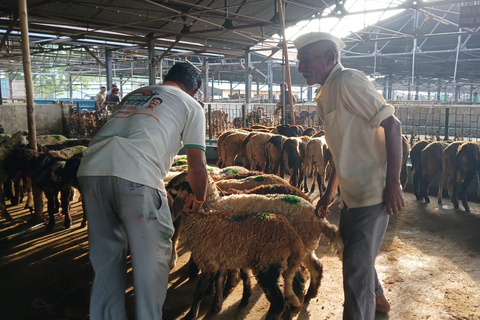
x=328, y=45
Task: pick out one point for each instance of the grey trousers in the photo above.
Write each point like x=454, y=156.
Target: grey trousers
x=362, y=231
x=122, y=213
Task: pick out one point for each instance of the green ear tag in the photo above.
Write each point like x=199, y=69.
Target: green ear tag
x=259, y=178
x=233, y=171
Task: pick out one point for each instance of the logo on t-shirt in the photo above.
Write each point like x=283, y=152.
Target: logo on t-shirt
x=139, y=102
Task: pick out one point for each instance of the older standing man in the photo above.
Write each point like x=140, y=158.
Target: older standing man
x=121, y=178
x=365, y=140
x=101, y=97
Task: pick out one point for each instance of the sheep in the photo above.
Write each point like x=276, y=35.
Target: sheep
x=448, y=169
x=279, y=253
x=298, y=211
x=416, y=160
x=238, y=176
x=309, y=132
x=314, y=159
x=67, y=153
x=293, y=152
x=68, y=144
x=47, y=139
x=271, y=189
x=249, y=182
x=467, y=163
x=18, y=139
x=233, y=146
x=273, y=149
x=48, y=174
x=289, y=131
x=255, y=151
x=227, y=172
x=405, y=152
x=221, y=147
x=431, y=159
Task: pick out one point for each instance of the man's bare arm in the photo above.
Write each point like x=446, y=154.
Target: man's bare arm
x=393, y=194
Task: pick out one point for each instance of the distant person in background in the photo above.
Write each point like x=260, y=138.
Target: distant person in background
x=285, y=100
x=475, y=98
x=112, y=99
x=101, y=97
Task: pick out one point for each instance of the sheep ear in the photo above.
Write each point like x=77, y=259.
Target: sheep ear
x=177, y=207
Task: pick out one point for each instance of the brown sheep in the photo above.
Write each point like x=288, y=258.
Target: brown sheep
x=255, y=151
x=314, y=159
x=467, y=162
x=416, y=160
x=431, y=159
x=405, y=152
x=293, y=152
x=271, y=189
x=448, y=169
x=221, y=147
x=250, y=182
x=273, y=150
x=233, y=147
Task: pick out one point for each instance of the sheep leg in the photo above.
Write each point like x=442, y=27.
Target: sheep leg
x=456, y=185
x=3, y=207
x=219, y=282
x=300, y=179
x=175, y=237
x=84, y=220
x=416, y=182
x=37, y=213
x=247, y=287
x=7, y=190
x=192, y=270
x=424, y=183
x=30, y=199
x=51, y=208
x=441, y=184
x=65, y=195
x=315, y=268
x=268, y=280
x=231, y=282
x=478, y=189
x=298, y=285
x=464, y=189
x=204, y=282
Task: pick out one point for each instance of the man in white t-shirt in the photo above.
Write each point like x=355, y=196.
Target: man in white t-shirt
x=100, y=99
x=121, y=178
x=365, y=140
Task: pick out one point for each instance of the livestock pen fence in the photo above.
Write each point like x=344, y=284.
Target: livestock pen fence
x=420, y=119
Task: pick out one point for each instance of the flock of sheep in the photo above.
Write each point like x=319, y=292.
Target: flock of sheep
x=253, y=220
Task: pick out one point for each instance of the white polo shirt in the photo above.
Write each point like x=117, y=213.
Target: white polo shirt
x=352, y=110
x=140, y=140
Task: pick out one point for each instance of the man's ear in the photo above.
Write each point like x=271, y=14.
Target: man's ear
x=330, y=57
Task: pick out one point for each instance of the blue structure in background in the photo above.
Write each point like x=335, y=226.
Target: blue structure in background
x=87, y=104
x=4, y=85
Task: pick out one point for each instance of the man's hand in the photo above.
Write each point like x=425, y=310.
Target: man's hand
x=323, y=204
x=191, y=206
x=393, y=197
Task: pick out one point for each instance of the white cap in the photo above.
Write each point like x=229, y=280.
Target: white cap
x=312, y=37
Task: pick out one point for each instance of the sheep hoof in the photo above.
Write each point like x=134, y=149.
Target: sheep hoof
x=293, y=299
x=68, y=223
x=427, y=199
x=216, y=308
x=244, y=302
x=83, y=224
x=439, y=201
x=419, y=197
x=50, y=225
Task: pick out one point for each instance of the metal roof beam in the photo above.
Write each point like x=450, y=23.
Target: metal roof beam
x=9, y=29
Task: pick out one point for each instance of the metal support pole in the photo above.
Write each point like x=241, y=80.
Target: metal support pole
x=151, y=60
x=231, y=89
x=417, y=87
x=447, y=122
x=108, y=68
x=209, y=121
x=270, y=82
x=310, y=94
x=205, y=67
x=258, y=92
x=459, y=43
x=412, y=82
x=32, y=134
x=248, y=78
x=390, y=87
x=471, y=94
x=213, y=93
x=1, y=98
x=439, y=88
x=70, y=82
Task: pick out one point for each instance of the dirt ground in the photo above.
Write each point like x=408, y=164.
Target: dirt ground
x=428, y=265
